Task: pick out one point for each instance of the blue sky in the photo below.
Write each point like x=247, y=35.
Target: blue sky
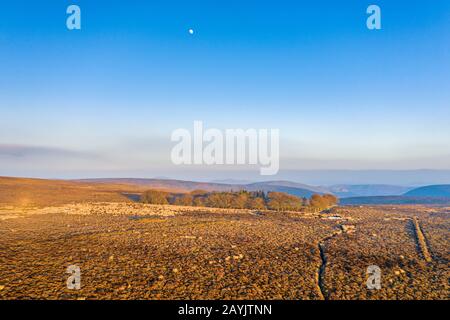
x=103, y=100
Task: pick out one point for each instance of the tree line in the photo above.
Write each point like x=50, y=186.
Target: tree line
x=243, y=199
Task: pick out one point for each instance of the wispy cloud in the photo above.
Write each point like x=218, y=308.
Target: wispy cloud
x=29, y=151
x=32, y=160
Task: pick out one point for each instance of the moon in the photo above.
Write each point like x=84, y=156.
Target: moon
x=191, y=31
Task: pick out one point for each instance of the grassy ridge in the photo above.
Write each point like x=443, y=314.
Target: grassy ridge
x=40, y=192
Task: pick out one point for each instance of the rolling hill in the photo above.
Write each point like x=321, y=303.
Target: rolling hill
x=435, y=195
x=164, y=184
x=368, y=190
x=42, y=192
x=430, y=191
x=395, y=200
x=297, y=189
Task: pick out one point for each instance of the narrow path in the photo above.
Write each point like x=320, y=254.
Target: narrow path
x=321, y=288
x=420, y=240
x=320, y=273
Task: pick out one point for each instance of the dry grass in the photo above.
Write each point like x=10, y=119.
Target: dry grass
x=26, y=192
x=135, y=251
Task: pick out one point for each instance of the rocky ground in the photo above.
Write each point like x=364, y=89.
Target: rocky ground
x=135, y=251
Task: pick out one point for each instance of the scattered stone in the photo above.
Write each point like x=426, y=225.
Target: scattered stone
x=281, y=256
x=348, y=228
x=189, y=237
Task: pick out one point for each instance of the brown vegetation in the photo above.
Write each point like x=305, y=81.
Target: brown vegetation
x=41, y=192
x=138, y=251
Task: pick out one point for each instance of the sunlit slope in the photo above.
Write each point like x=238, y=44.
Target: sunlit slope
x=40, y=192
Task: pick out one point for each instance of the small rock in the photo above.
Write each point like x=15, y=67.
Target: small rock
x=348, y=228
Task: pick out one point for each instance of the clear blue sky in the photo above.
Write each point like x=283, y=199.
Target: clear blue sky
x=103, y=100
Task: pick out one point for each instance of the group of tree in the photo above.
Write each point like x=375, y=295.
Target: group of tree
x=318, y=202
x=259, y=200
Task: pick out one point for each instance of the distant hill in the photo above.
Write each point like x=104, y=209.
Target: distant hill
x=294, y=188
x=367, y=190
x=166, y=184
x=45, y=192
x=430, y=191
x=435, y=195
x=395, y=200
x=42, y=192
x=297, y=189
x=23, y=191
x=289, y=184
x=231, y=181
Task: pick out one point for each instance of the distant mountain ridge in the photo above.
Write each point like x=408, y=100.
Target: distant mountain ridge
x=297, y=189
x=434, y=194
x=165, y=184
x=395, y=200
x=43, y=191
x=442, y=190
x=294, y=188
x=368, y=190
